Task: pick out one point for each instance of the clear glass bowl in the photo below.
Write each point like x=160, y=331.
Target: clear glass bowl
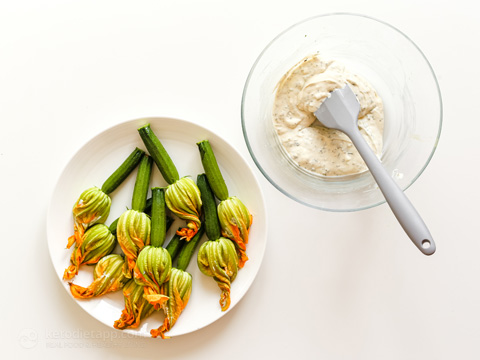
x=385, y=57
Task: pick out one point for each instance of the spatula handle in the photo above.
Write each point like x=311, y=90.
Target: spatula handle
x=403, y=209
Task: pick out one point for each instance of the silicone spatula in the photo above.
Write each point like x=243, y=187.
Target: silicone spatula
x=340, y=111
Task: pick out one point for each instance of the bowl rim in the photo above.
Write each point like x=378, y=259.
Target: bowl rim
x=260, y=56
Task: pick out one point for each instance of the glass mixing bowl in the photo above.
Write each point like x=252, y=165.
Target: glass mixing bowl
x=391, y=63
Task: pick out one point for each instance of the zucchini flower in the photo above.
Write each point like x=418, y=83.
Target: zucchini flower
x=96, y=242
x=234, y=217
x=136, y=307
x=183, y=199
x=235, y=221
x=152, y=269
x=108, y=276
x=92, y=207
x=182, y=195
x=133, y=233
x=218, y=259
x=178, y=290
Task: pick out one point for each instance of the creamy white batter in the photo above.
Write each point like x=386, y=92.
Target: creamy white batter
x=312, y=146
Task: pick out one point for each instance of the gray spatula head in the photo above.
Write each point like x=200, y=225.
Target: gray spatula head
x=340, y=110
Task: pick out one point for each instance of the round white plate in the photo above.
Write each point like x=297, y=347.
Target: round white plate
x=91, y=166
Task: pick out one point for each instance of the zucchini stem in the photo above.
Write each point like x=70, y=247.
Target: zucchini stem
x=188, y=249
x=142, y=184
x=122, y=171
x=212, y=171
x=159, y=217
x=209, y=205
x=175, y=245
x=159, y=154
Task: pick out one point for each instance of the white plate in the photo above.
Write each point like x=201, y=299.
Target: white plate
x=96, y=160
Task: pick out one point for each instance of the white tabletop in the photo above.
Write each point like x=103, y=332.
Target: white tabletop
x=332, y=285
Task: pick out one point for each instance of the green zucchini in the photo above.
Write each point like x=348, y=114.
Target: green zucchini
x=209, y=204
x=123, y=171
x=113, y=227
x=159, y=217
x=142, y=184
x=170, y=221
x=148, y=206
x=175, y=245
x=188, y=249
x=159, y=154
x=148, y=211
x=210, y=165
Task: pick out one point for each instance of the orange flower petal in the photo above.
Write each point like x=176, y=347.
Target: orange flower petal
x=242, y=258
x=188, y=233
x=225, y=299
x=153, y=298
x=70, y=272
x=71, y=241
x=80, y=292
x=161, y=330
x=127, y=320
x=130, y=263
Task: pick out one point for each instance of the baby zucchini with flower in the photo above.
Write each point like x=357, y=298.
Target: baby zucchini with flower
x=235, y=219
x=182, y=195
x=179, y=286
x=108, y=276
x=96, y=243
x=154, y=264
x=152, y=269
x=93, y=205
x=133, y=227
x=217, y=257
x=177, y=289
x=165, y=287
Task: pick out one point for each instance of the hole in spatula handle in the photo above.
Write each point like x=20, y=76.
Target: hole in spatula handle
x=426, y=244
